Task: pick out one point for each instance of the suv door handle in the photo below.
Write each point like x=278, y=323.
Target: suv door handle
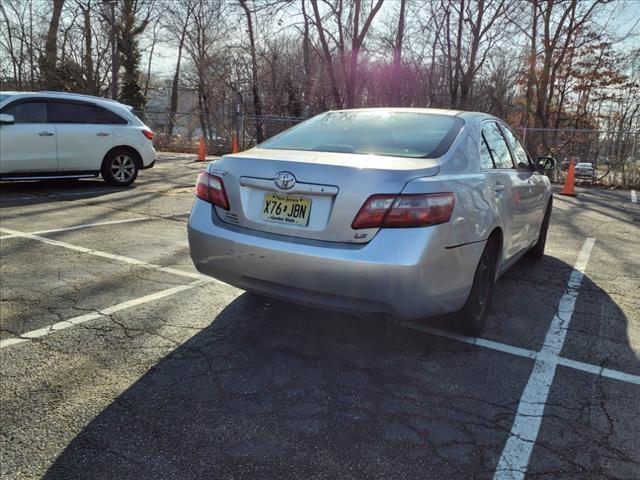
x=45, y=134
x=102, y=134
x=499, y=188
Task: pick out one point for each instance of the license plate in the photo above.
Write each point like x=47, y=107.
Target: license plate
x=286, y=209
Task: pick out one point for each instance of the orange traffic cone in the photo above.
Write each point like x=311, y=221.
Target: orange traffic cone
x=234, y=143
x=569, y=188
x=201, y=150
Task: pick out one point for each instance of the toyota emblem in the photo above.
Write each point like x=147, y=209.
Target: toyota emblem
x=285, y=180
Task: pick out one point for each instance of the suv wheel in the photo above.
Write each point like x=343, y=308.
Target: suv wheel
x=120, y=168
x=476, y=309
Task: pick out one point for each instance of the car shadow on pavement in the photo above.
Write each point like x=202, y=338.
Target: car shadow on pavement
x=275, y=390
x=45, y=191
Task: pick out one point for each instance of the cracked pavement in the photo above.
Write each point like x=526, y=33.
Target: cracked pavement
x=213, y=382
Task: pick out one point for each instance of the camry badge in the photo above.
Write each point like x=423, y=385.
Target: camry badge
x=285, y=180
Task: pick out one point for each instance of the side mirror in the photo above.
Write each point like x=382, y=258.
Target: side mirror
x=6, y=119
x=545, y=164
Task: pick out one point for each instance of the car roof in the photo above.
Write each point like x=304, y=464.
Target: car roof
x=437, y=111
x=67, y=96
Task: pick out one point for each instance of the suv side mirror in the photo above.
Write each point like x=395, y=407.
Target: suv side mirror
x=545, y=163
x=6, y=119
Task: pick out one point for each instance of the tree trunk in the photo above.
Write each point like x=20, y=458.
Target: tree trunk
x=531, y=77
x=257, y=102
x=50, y=59
x=351, y=70
x=173, y=102
x=114, y=54
x=201, y=116
x=466, y=82
x=396, y=70
x=89, y=78
x=306, y=59
x=337, y=100
x=458, y=59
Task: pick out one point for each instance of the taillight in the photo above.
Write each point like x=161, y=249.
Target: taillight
x=210, y=188
x=404, y=211
x=147, y=133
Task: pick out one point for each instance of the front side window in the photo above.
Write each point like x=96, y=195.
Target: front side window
x=72, y=113
x=520, y=154
x=497, y=145
x=372, y=132
x=28, y=112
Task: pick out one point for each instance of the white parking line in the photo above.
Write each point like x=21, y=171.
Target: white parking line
x=634, y=197
x=480, y=342
x=515, y=457
x=110, y=256
x=526, y=353
x=41, y=332
x=77, y=227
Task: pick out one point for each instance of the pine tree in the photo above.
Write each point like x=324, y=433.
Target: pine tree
x=129, y=53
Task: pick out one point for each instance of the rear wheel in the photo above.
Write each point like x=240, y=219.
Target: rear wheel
x=537, y=251
x=476, y=309
x=120, y=168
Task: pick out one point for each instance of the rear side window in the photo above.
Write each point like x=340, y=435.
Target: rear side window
x=72, y=113
x=486, y=162
x=497, y=145
x=28, y=112
x=522, y=159
x=107, y=117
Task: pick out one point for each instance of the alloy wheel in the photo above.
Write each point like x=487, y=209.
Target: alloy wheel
x=123, y=168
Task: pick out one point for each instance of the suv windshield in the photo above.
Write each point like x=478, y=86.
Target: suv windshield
x=400, y=134
x=4, y=96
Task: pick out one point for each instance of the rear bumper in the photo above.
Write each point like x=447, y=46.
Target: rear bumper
x=407, y=273
x=147, y=153
x=150, y=165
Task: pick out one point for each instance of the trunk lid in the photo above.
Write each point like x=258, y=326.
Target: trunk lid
x=328, y=187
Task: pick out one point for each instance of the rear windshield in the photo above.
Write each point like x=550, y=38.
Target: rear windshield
x=399, y=134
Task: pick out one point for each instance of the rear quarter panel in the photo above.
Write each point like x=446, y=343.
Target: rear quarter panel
x=475, y=214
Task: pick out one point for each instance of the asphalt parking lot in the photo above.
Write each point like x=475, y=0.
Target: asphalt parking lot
x=120, y=361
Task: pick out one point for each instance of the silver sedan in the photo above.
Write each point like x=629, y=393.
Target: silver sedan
x=409, y=212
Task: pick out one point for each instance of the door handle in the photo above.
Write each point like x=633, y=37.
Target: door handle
x=45, y=134
x=102, y=134
x=499, y=188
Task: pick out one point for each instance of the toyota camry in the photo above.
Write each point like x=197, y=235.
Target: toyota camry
x=408, y=212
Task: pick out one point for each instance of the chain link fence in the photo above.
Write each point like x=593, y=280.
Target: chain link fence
x=181, y=132
x=615, y=155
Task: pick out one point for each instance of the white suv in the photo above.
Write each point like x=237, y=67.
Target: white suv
x=62, y=135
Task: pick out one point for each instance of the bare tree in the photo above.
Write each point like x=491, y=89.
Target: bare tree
x=257, y=101
x=50, y=57
x=397, y=55
x=177, y=22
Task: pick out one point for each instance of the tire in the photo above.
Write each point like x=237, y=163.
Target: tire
x=537, y=251
x=120, y=168
x=473, y=314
